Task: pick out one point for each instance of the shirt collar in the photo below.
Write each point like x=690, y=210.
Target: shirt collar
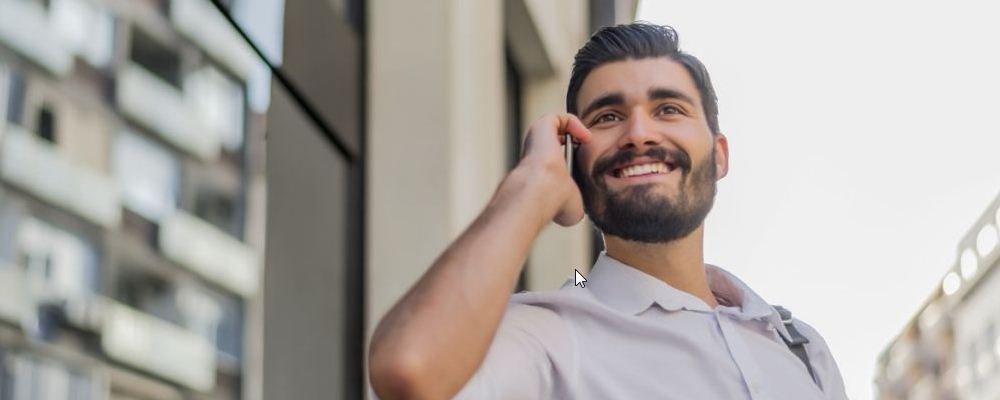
x=632, y=291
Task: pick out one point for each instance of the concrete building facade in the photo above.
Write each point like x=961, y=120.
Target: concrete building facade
x=951, y=348
x=130, y=253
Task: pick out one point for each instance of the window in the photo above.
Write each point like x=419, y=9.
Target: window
x=56, y=260
x=148, y=174
x=4, y=93
x=149, y=293
x=35, y=378
x=216, y=196
x=46, y=123
x=207, y=313
x=219, y=99
x=18, y=87
x=156, y=57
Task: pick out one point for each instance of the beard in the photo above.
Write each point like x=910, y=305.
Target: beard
x=638, y=212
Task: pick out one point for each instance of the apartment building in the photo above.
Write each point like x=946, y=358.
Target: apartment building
x=218, y=199
x=128, y=156
x=951, y=348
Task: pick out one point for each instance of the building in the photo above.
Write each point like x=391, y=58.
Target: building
x=132, y=233
x=218, y=199
x=951, y=348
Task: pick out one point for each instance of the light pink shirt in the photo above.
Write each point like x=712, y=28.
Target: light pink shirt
x=628, y=335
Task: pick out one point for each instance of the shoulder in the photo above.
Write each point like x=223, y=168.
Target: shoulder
x=559, y=300
x=817, y=344
x=822, y=361
x=531, y=316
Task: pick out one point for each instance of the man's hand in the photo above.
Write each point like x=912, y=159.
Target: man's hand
x=434, y=339
x=543, y=155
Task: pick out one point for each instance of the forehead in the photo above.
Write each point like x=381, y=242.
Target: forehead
x=634, y=78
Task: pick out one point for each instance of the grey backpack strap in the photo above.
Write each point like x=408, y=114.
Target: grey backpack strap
x=797, y=342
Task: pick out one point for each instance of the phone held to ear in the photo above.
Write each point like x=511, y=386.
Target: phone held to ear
x=568, y=149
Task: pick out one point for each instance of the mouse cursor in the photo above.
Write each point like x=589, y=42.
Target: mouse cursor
x=579, y=280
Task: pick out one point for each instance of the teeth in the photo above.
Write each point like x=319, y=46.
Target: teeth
x=642, y=169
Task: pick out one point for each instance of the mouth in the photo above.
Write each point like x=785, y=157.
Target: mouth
x=639, y=168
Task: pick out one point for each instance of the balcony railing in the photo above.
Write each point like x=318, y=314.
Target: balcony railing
x=24, y=25
x=165, y=110
x=13, y=301
x=64, y=183
x=205, y=26
x=156, y=346
x=210, y=252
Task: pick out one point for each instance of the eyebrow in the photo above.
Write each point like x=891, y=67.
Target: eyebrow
x=659, y=93
x=610, y=99
x=617, y=99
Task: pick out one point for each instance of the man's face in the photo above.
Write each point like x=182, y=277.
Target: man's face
x=649, y=173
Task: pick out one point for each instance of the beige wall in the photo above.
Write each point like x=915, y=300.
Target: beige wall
x=437, y=140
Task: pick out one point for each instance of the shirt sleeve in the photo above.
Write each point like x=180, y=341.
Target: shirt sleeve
x=522, y=359
x=825, y=367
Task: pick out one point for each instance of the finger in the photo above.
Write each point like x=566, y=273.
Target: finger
x=569, y=123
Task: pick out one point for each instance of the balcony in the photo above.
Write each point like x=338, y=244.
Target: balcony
x=210, y=252
x=13, y=300
x=201, y=22
x=157, y=346
x=64, y=183
x=165, y=110
x=24, y=25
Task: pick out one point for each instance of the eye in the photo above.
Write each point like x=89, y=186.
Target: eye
x=669, y=109
x=606, y=117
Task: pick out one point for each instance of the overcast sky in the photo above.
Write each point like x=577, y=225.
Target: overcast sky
x=864, y=142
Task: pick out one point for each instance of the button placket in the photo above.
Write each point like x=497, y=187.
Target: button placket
x=744, y=360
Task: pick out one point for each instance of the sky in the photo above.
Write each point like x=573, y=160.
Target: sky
x=864, y=140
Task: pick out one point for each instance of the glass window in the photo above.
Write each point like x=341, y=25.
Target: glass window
x=211, y=315
x=219, y=100
x=55, y=259
x=156, y=57
x=46, y=121
x=17, y=88
x=4, y=92
x=35, y=378
x=148, y=174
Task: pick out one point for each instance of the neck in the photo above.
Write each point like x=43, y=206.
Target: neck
x=680, y=263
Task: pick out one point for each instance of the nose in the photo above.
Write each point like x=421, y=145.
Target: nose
x=638, y=133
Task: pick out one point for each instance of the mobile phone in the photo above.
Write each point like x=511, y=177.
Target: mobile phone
x=569, y=152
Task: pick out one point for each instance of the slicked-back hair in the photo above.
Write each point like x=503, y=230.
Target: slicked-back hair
x=637, y=41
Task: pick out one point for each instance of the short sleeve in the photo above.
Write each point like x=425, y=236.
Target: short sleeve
x=521, y=361
x=825, y=367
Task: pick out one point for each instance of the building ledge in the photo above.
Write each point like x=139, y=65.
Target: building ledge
x=201, y=22
x=24, y=25
x=210, y=252
x=157, y=346
x=36, y=166
x=165, y=110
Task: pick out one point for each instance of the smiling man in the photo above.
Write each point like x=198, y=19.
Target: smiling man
x=654, y=320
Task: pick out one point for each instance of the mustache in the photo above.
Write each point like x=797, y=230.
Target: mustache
x=680, y=159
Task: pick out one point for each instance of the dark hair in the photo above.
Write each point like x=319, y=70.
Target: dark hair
x=637, y=41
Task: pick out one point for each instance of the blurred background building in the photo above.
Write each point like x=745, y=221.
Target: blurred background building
x=951, y=348
x=220, y=199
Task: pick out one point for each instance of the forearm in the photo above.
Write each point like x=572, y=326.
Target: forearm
x=434, y=339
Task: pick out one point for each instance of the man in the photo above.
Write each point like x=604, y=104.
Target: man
x=653, y=321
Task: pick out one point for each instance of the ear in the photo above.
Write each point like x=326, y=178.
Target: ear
x=721, y=155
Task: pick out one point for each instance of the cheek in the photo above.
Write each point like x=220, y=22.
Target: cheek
x=599, y=146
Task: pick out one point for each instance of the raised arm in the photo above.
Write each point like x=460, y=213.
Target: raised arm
x=433, y=340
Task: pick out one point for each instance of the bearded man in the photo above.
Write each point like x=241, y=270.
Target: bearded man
x=653, y=320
